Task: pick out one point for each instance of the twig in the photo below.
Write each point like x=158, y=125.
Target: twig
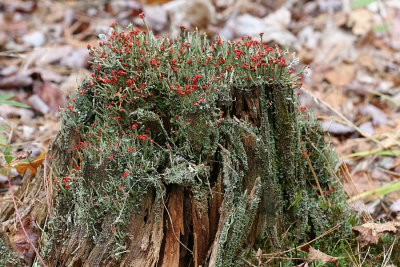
x=22, y=225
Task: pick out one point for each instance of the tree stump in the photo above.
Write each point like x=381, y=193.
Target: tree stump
x=181, y=152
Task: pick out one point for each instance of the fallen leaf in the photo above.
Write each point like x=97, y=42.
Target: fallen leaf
x=194, y=13
x=20, y=79
x=371, y=232
x=76, y=59
x=155, y=2
x=337, y=128
x=341, y=75
x=330, y=52
x=316, y=255
x=10, y=70
x=275, y=24
x=361, y=21
x=368, y=128
x=38, y=104
x=35, y=39
x=378, y=116
x=21, y=167
x=43, y=56
x=156, y=17
x=24, y=249
x=395, y=164
x=52, y=96
x=395, y=207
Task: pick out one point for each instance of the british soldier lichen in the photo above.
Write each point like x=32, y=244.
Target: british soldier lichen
x=156, y=111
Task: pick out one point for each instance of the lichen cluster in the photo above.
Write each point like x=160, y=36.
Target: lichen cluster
x=7, y=257
x=163, y=110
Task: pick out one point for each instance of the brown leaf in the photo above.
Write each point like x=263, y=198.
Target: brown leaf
x=337, y=128
x=395, y=164
x=20, y=79
x=316, y=255
x=76, y=60
x=341, y=75
x=44, y=56
x=24, y=249
x=361, y=21
x=379, y=117
x=52, y=96
x=38, y=104
x=395, y=207
x=157, y=2
x=21, y=167
x=371, y=232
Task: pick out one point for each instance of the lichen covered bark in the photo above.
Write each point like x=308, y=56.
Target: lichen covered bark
x=179, y=152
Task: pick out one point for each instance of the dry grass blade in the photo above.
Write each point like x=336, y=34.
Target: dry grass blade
x=345, y=120
x=367, y=216
x=305, y=244
x=379, y=152
x=351, y=258
x=313, y=172
x=386, y=97
x=47, y=180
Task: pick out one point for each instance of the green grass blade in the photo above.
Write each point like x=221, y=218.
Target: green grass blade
x=361, y=3
x=377, y=192
x=5, y=96
x=14, y=103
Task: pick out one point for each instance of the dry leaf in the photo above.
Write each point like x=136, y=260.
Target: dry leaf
x=337, y=128
x=316, y=255
x=395, y=207
x=21, y=167
x=361, y=21
x=331, y=51
x=395, y=164
x=20, y=79
x=38, y=104
x=157, y=2
x=24, y=249
x=44, y=56
x=52, y=96
x=371, y=232
x=197, y=13
x=341, y=75
x=379, y=117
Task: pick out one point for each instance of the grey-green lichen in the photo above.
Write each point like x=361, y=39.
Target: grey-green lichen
x=7, y=256
x=237, y=227
x=161, y=111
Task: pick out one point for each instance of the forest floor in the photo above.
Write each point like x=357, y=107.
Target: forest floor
x=353, y=48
